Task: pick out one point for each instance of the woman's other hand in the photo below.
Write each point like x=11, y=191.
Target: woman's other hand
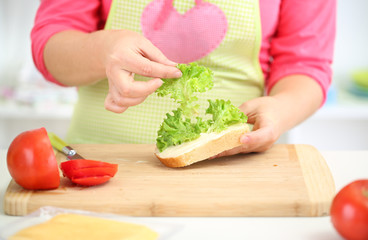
x=292, y=100
x=262, y=112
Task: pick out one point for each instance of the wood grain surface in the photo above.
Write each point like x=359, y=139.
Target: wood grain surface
x=287, y=180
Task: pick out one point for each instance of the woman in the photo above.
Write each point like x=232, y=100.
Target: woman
x=284, y=47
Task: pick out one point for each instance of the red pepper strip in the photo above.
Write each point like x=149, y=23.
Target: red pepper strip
x=91, y=181
x=84, y=163
x=69, y=167
x=88, y=172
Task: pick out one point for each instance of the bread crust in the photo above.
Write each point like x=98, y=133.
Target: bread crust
x=211, y=148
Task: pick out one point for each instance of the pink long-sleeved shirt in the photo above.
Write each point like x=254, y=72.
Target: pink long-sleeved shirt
x=297, y=35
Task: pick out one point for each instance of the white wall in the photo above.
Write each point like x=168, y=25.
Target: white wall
x=16, y=20
x=351, y=48
x=17, y=71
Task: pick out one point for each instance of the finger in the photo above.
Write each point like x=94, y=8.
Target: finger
x=129, y=102
x=122, y=101
x=249, y=108
x=138, y=64
x=112, y=106
x=233, y=151
x=144, y=88
x=154, y=54
x=258, y=140
x=126, y=86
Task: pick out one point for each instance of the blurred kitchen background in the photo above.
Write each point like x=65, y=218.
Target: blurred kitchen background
x=27, y=101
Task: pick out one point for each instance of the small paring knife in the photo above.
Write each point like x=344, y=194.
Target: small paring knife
x=63, y=147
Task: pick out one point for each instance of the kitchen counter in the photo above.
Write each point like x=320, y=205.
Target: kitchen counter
x=346, y=166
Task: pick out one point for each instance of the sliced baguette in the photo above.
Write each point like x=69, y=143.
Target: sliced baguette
x=207, y=145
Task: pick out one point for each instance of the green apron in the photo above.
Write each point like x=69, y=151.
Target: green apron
x=237, y=76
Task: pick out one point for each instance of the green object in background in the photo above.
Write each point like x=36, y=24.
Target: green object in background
x=360, y=78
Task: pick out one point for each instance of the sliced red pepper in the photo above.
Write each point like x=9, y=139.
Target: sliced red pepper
x=82, y=166
x=84, y=163
x=88, y=172
x=91, y=181
x=93, y=171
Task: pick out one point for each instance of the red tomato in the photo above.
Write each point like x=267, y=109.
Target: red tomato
x=349, y=211
x=31, y=161
x=88, y=172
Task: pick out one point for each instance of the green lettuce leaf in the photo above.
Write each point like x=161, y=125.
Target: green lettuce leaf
x=177, y=129
x=224, y=114
x=195, y=79
x=184, y=124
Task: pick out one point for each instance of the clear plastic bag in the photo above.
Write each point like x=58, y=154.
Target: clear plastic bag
x=164, y=229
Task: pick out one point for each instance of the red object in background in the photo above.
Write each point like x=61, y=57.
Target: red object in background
x=31, y=161
x=88, y=172
x=349, y=211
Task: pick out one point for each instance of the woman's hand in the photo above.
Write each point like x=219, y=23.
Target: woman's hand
x=128, y=53
x=77, y=58
x=263, y=113
x=292, y=100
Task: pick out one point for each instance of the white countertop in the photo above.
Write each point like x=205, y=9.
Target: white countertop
x=345, y=166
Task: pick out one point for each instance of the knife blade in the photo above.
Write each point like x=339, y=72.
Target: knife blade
x=63, y=147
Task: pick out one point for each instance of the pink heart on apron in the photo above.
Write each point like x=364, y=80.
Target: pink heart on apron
x=187, y=37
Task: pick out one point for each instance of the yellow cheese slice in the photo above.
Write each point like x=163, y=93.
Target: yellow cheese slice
x=74, y=226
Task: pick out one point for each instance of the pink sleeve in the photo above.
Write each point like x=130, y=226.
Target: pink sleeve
x=54, y=16
x=304, y=41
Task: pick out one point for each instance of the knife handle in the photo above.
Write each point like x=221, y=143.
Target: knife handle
x=56, y=142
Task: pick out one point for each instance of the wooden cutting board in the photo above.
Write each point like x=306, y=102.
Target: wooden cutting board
x=287, y=180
